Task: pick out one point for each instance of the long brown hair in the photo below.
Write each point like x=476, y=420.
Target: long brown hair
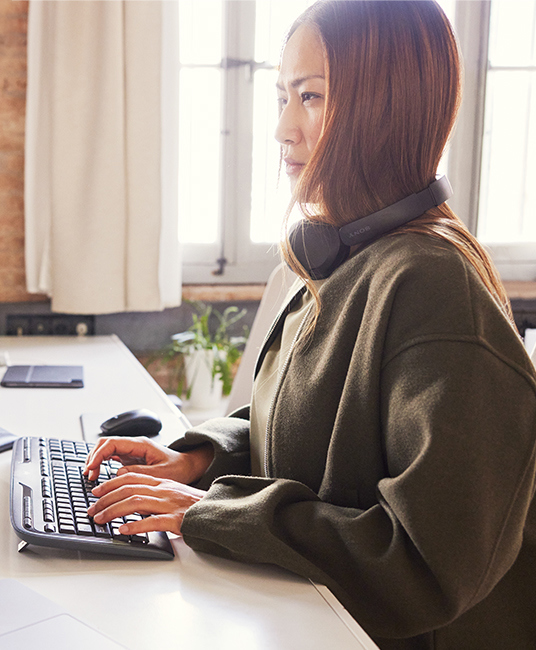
x=393, y=93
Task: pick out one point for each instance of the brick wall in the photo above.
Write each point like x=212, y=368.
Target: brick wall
x=13, y=28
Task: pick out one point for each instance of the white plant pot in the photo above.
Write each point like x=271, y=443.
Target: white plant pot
x=206, y=391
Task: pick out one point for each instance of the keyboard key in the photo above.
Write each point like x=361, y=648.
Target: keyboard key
x=120, y=537
x=27, y=512
x=114, y=525
x=66, y=527
x=101, y=530
x=84, y=529
x=65, y=514
x=46, y=490
x=133, y=517
x=27, y=454
x=48, y=510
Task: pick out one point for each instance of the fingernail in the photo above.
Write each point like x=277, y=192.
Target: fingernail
x=124, y=529
x=99, y=518
x=91, y=510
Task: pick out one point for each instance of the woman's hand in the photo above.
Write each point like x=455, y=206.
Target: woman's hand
x=165, y=500
x=143, y=456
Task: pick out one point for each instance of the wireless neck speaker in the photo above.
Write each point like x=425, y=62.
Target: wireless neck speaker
x=321, y=248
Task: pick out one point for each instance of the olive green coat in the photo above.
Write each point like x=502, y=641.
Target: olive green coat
x=401, y=447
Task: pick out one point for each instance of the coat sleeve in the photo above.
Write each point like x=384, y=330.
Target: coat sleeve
x=459, y=434
x=229, y=437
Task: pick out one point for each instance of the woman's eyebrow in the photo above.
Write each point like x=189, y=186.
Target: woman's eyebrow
x=298, y=82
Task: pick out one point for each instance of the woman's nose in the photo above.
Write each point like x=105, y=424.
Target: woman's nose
x=287, y=130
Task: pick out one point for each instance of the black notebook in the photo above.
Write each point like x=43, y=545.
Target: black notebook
x=43, y=377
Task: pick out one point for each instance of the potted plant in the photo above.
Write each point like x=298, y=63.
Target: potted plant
x=209, y=356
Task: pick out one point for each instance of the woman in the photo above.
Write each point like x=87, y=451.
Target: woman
x=390, y=453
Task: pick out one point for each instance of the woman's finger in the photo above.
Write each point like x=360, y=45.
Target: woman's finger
x=149, y=470
x=136, y=503
x=141, y=499
x=169, y=522
x=127, y=450
x=134, y=489
x=127, y=478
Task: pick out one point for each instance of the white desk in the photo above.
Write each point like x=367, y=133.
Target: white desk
x=197, y=601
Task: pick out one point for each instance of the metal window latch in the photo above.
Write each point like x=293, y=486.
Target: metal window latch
x=251, y=66
x=221, y=262
x=230, y=62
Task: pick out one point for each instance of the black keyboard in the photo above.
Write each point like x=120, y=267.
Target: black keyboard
x=50, y=497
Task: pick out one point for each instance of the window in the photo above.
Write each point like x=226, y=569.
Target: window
x=231, y=203
x=491, y=158
x=507, y=206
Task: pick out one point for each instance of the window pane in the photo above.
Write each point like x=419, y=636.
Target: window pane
x=270, y=195
x=269, y=198
x=508, y=192
x=272, y=21
x=513, y=33
x=449, y=7
x=199, y=154
x=200, y=31
x=507, y=200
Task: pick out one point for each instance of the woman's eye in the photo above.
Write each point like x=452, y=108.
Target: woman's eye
x=281, y=103
x=307, y=97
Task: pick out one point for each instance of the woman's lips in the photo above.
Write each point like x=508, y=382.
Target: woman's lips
x=293, y=167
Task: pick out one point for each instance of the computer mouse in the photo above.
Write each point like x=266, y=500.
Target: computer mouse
x=140, y=422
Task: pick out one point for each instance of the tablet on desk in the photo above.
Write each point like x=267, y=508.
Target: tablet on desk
x=29, y=620
x=43, y=377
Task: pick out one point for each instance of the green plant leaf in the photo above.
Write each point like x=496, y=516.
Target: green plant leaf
x=227, y=349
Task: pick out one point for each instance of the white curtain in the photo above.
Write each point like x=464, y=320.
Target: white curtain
x=101, y=156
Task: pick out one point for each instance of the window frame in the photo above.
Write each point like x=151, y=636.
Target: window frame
x=250, y=263
x=472, y=21
x=515, y=261
x=245, y=261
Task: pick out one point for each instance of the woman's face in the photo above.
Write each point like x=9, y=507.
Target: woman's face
x=301, y=90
